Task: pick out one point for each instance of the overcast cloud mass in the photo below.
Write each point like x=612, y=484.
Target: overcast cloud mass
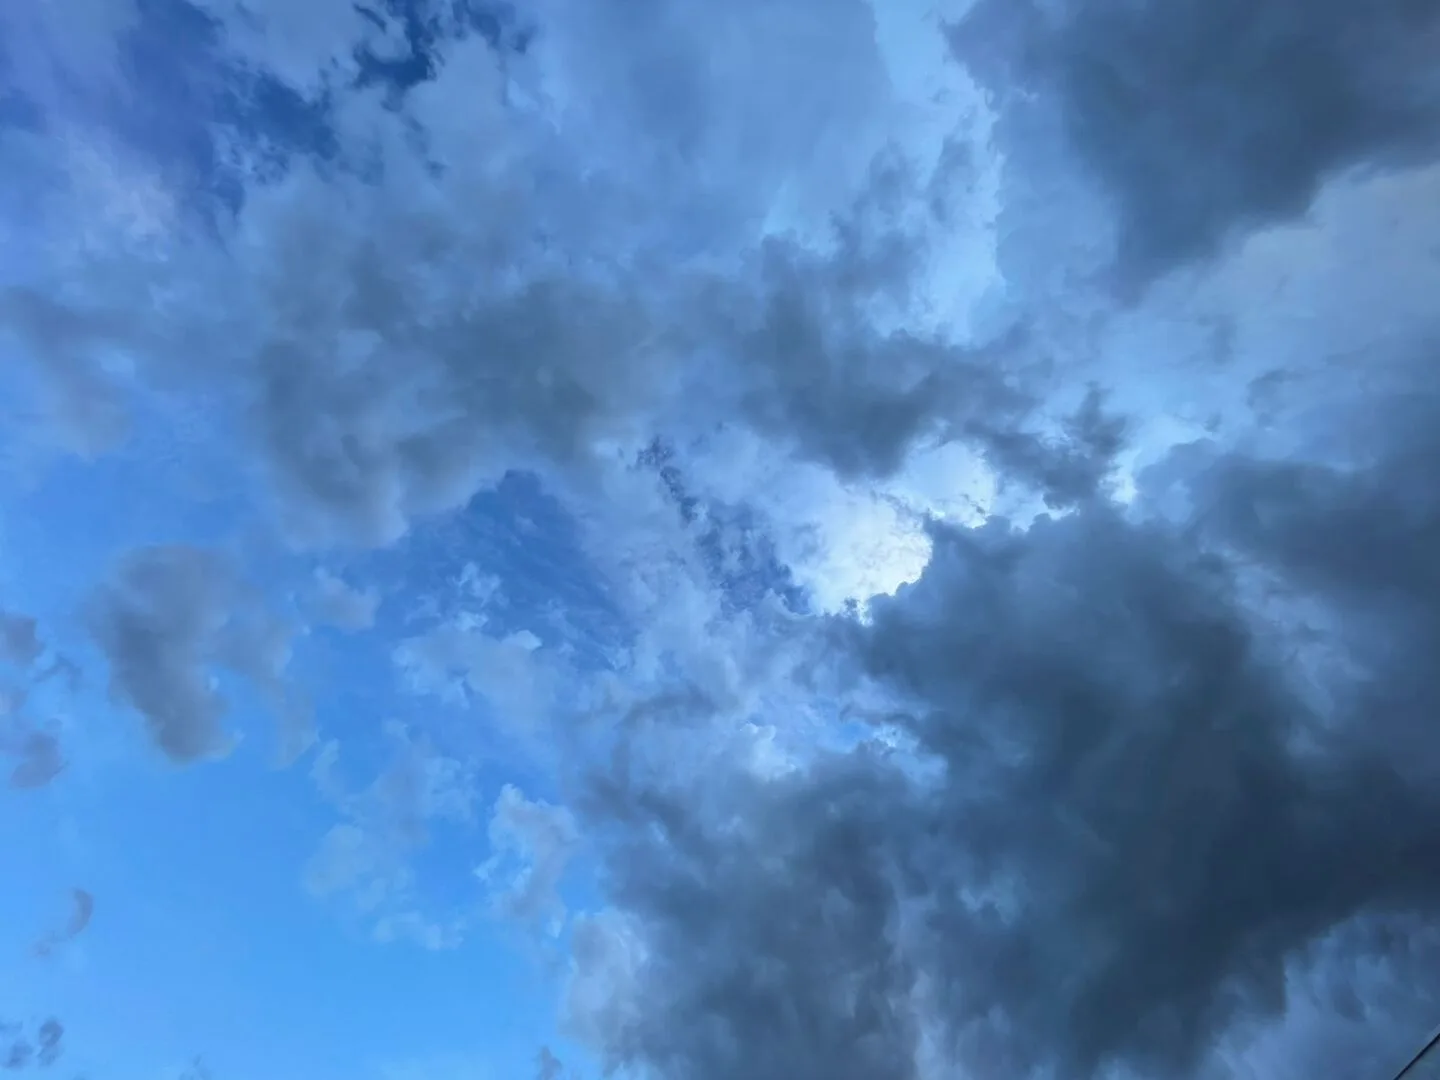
x=803, y=540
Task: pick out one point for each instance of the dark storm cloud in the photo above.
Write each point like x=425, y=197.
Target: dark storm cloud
x=1125, y=772
x=1067, y=468
x=1128, y=822
x=1201, y=117
x=1365, y=537
x=814, y=372
x=768, y=939
x=814, y=369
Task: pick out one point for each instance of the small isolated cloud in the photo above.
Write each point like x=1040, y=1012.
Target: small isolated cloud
x=548, y=1066
x=20, y=643
x=461, y=660
x=168, y=620
x=37, y=755
x=532, y=843
x=35, y=751
x=82, y=909
x=37, y=1046
x=336, y=603
x=367, y=859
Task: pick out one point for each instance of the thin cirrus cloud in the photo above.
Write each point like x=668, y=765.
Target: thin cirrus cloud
x=1016, y=668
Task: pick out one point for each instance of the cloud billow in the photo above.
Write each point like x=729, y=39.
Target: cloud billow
x=1201, y=118
x=1118, y=829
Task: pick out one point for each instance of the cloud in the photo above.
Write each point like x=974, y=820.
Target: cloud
x=82, y=909
x=341, y=605
x=403, y=324
x=41, y=1048
x=167, y=620
x=548, y=1066
x=20, y=643
x=1126, y=790
x=755, y=937
x=1145, y=784
x=532, y=843
x=36, y=752
x=459, y=661
x=367, y=858
x=1200, y=119
x=39, y=758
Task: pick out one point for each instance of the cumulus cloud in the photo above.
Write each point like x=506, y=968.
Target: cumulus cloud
x=339, y=604
x=460, y=661
x=168, y=619
x=1120, y=827
x=404, y=326
x=1199, y=119
x=366, y=860
x=531, y=844
x=1150, y=790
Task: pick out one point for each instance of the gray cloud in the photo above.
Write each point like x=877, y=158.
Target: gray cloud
x=20, y=643
x=82, y=909
x=758, y=942
x=1128, y=781
x=1122, y=824
x=168, y=620
x=36, y=752
x=1113, y=817
x=397, y=342
x=23, y=1047
x=341, y=605
x=38, y=756
x=812, y=372
x=548, y=1066
x=1201, y=117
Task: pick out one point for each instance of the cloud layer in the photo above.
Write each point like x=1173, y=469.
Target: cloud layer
x=1133, y=774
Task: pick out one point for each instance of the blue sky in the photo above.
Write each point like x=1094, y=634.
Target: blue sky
x=814, y=540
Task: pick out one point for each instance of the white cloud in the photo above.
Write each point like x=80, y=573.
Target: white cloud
x=366, y=861
x=336, y=602
x=531, y=842
x=460, y=661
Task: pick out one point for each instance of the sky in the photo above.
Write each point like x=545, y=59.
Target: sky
x=784, y=540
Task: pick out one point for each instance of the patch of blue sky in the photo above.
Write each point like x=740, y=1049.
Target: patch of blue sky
x=186, y=96
x=210, y=122
x=193, y=105
x=197, y=878
x=200, y=946
x=738, y=555
x=228, y=841
x=521, y=537
x=65, y=519
x=426, y=28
